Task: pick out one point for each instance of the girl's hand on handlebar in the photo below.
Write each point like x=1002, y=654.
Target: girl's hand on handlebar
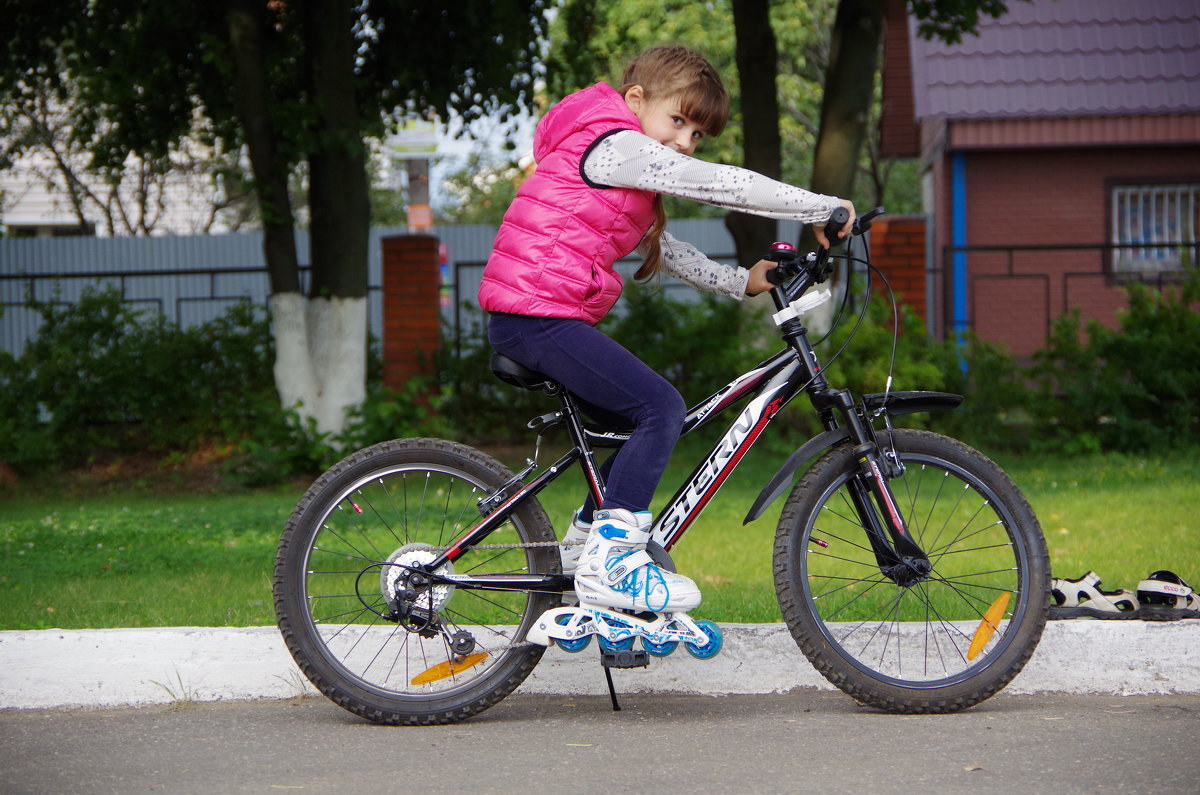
x=757, y=281
x=844, y=231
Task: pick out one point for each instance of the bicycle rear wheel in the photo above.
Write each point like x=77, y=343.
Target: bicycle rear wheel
x=946, y=642
x=345, y=552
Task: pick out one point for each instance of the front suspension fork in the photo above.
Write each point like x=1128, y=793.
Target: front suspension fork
x=899, y=557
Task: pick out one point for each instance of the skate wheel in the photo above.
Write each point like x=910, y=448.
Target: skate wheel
x=713, y=646
x=624, y=644
x=572, y=646
x=659, y=649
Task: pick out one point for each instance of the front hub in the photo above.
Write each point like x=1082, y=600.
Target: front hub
x=909, y=571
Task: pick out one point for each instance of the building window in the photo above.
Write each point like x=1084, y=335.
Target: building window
x=1154, y=227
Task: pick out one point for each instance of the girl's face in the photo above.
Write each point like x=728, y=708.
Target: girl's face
x=663, y=121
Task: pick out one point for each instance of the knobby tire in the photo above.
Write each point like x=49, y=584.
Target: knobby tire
x=902, y=648
x=336, y=566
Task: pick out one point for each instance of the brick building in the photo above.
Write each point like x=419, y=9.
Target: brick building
x=1061, y=157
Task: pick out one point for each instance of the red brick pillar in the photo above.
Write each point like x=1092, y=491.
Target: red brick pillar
x=898, y=249
x=411, y=307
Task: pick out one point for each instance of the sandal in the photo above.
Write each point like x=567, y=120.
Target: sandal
x=1166, y=597
x=1082, y=598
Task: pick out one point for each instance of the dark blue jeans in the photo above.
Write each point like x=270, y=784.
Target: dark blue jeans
x=614, y=387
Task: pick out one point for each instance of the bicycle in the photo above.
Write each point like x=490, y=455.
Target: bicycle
x=418, y=581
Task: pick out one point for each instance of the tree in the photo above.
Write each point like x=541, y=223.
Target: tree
x=850, y=79
x=806, y=75
x=137, y=197
x=309, y=82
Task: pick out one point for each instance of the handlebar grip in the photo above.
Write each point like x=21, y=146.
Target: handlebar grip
x=837, y=219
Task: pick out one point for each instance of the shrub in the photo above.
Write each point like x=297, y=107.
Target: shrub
x=103, y=376
x=476, y=405
x=1135, y=388
x=699, y=346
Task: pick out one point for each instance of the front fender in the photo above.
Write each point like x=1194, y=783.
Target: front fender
x=783, y=478
x=894, y=403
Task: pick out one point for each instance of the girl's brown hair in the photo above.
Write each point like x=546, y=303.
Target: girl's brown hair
x=673, y=71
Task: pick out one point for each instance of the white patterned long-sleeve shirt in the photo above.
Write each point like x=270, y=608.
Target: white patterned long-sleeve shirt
x=629, y=159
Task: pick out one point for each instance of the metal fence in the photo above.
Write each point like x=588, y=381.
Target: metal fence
x=193, y=280
x=1015, y=293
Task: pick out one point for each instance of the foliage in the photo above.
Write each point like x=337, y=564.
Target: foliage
x=296, y=83
x=103, y=378
x=948, y=20
x=1134, y=388
x=481, y=190
x=101, y=375
x=478, y=405
x=999, y=407
x=699, y=346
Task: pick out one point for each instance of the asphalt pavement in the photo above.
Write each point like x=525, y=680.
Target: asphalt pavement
x=803, y=741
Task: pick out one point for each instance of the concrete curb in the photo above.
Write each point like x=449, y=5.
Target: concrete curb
x=134, y=667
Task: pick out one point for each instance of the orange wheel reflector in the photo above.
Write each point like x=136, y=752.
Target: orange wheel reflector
x=449, y=668
x=988, y=626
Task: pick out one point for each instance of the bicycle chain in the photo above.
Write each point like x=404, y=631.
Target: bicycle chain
x=526, y=545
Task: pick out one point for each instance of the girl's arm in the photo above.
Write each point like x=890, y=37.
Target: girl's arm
x=629, y=159
x=686, y=263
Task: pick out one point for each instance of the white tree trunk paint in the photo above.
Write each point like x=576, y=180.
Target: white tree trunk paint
x=320, y=356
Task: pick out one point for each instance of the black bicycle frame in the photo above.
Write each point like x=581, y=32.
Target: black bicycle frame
x=773, y=384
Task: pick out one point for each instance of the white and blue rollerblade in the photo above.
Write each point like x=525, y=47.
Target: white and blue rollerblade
x=615, y=570
x=624, y=595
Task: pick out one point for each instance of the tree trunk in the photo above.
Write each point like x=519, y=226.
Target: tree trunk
x=846, y=104
x=253, y=100
x=340, y=225
x=845, y=109
x=295, y=379
x=757, y=64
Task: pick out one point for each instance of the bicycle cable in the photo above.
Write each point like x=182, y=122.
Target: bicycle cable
x=872, y=269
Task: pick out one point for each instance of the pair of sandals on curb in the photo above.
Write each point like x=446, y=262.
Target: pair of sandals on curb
x=1163, y=596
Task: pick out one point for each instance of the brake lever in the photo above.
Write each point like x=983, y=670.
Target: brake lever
x=863, y=223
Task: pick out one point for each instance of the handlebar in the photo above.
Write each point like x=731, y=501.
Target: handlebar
x=816, y=265
x=837, y=219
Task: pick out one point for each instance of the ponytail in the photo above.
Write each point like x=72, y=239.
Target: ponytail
x=650, y=243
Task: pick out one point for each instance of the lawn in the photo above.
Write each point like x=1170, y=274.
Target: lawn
x=143, y=557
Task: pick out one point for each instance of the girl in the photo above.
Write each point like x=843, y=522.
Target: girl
x=604, y=157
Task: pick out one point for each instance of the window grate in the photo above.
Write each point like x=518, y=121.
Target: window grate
x=1152, y=224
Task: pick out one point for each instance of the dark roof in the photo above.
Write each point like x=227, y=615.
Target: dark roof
x=1055, y=58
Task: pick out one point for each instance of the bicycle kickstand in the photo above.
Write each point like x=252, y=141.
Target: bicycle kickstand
x=631, y=658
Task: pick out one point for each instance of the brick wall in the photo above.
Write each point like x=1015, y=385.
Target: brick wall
x=898, y=249
x=1047, y=196
x=411, y=307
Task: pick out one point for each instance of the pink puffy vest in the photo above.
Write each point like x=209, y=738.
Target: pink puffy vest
x=554, y=251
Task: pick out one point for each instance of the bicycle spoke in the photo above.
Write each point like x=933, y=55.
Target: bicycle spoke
x=908, y=628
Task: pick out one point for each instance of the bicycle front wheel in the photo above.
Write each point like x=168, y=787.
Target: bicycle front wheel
x=343, y=562
x=952, y=638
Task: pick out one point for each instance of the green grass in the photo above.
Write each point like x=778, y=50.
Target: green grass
x=142, y=558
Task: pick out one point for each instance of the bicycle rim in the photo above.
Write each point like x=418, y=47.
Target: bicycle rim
x=951, y=639
x=358, y=537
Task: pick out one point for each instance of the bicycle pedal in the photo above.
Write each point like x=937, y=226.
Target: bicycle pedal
x=624, y=658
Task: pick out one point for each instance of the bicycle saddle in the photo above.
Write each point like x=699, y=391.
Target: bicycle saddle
x=517, y=374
